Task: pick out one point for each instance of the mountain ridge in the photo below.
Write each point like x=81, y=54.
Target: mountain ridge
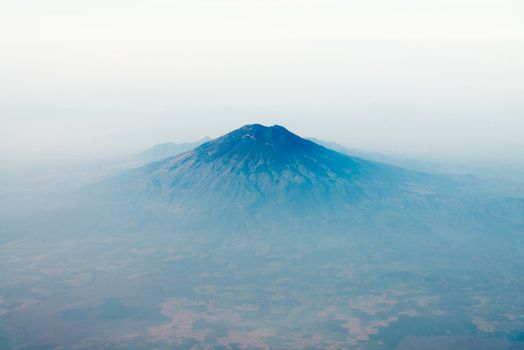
x=168, y=149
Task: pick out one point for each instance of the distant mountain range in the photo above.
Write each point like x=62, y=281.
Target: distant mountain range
x=167, y=150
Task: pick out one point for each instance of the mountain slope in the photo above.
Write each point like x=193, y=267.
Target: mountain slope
x=268, y=173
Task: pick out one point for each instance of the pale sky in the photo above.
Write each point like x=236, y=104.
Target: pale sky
x=439, y=78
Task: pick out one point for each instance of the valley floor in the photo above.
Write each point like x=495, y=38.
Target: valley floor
x=182, y=291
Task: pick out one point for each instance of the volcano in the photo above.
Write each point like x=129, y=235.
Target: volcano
x=265, y=173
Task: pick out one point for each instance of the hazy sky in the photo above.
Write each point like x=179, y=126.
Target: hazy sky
x=427, y=78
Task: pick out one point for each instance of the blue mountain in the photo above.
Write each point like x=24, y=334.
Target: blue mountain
x=263, y=174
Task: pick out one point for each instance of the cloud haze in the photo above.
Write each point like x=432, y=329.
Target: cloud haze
x=436, y=79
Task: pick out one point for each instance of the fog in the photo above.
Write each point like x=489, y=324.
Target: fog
x=434, y=80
